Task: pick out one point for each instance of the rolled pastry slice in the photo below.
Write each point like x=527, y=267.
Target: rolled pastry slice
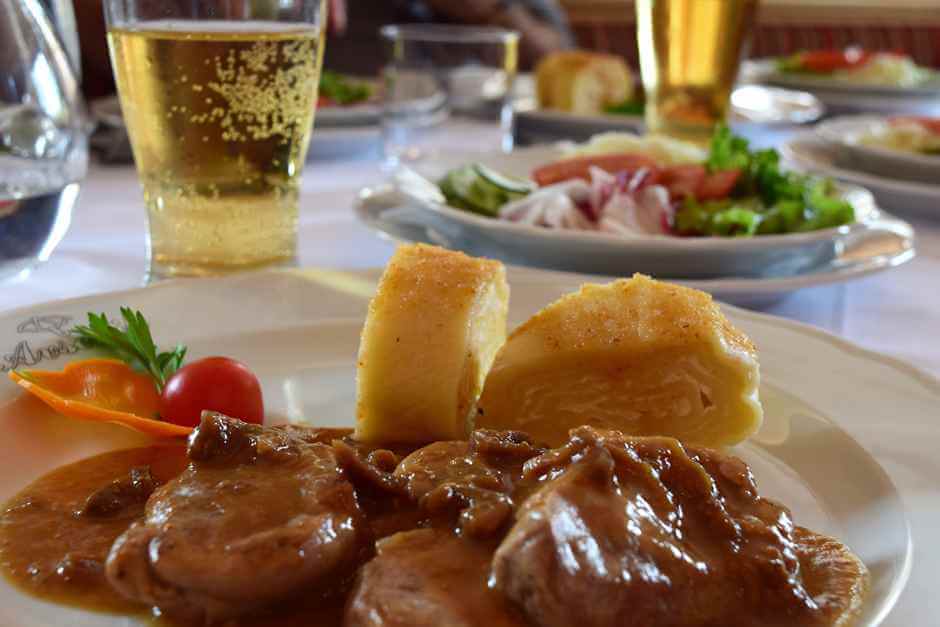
x=636, y=355
x=431, y=334
x=582, y=82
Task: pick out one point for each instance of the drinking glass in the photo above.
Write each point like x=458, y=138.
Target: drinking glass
x=43, y=137
x=434, y=70
x=219, y=99
x=690, y=51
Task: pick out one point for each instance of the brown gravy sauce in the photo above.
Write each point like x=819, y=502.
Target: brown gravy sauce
x=50, y=552
x=56, y=534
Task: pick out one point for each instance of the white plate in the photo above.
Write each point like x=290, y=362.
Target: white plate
x=848, y=132
x=807, y=151
x=844, y=97
x=849, y=438
x=603, y=253
x=753, y=107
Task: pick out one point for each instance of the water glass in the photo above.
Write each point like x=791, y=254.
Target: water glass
x=433, y=71
x=219, y=99
x=43, y=137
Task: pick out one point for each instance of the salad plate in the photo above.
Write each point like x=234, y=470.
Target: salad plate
x=403, y=223
x=825, y=447
x=899, y=148
x=841, y=96
x=808, y=151
x=412, y=199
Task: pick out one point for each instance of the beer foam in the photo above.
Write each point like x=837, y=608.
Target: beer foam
x=214, y=27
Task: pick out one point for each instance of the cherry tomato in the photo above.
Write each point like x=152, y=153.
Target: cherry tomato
x=213, y=383
x=718, y=185
x=579, y=167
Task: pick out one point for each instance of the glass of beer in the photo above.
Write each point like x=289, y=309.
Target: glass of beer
x=219, y=99
x=690, y=51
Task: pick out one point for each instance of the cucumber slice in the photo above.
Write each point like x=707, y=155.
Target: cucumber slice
x=505, y=183
x=479, y=189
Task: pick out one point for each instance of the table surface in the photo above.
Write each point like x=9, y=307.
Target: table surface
x=895, y=312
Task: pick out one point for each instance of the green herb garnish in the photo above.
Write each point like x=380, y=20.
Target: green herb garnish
x=342, y=90
x=133, y=346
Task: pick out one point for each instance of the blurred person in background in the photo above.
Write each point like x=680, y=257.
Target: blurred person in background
x=355, y=46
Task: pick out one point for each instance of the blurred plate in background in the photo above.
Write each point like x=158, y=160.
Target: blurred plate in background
x=844, y=97
x=809, y=152
x=847, y=134
x=751, y=105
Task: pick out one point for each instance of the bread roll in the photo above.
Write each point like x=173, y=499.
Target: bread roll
x=582, y=82
x=638, y=356
x=432, y=331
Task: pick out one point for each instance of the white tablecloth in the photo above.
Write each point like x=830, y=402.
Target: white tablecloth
x=895, y=312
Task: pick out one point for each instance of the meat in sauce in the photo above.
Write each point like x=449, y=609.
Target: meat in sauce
x=50, y=544
x=604, y=531
x=429, y=578
x=259, y=515
x=642, y=531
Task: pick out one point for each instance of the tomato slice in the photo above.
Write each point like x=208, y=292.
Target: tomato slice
x=579, y=167
x=718, y=185
x=826, y=61
x=683, y=180
x=931, y=124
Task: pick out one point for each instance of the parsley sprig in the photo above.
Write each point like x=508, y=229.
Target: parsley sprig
x=134, y=345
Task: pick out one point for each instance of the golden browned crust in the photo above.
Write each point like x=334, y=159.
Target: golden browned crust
x=646, y=308
x=450, y=272
x=433, y=329
x=639, y=355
